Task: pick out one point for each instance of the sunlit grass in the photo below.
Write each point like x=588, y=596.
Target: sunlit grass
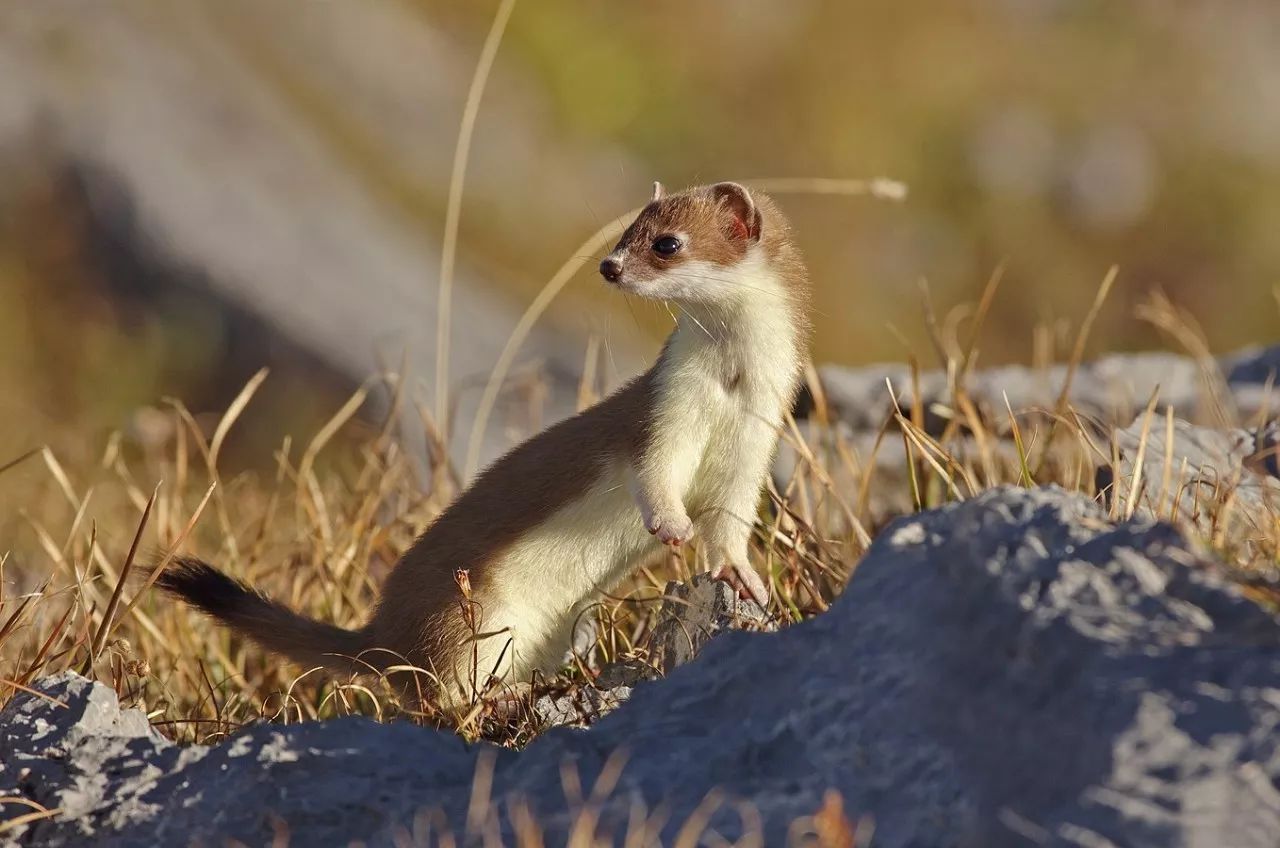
x=320, y=529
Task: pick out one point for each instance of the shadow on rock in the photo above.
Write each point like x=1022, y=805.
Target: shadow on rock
x=1009, y=670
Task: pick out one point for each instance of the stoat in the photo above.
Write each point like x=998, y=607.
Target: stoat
x=682, y=450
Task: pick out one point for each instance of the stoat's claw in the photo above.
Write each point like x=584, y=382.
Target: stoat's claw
x=745, y=580
x=674, y=530
x=671, y=527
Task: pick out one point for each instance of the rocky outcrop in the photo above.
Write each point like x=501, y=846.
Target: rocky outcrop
x=1014, y=669
x=693, y=613
x=1113, y=388
x=1164, y=461
x=858, y=454
x=1224, y=483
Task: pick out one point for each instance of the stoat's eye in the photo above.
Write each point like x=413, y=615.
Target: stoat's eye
x=667, y=246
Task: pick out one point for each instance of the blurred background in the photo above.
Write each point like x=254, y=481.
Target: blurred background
x=193, y=189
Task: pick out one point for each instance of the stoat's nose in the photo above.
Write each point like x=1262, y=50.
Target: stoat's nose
x=611, y=269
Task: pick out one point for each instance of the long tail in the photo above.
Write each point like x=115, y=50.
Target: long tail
x=269, y=623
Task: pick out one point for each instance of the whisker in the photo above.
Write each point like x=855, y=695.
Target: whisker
x=630, y=308
x=695, y=320
x=730, y=280
x=667, y=307
x=608, y=349
x=781, y=295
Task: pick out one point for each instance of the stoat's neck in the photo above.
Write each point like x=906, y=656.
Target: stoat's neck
x=752, y=334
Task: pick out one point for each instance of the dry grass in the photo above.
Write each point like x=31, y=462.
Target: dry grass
x=320, y=530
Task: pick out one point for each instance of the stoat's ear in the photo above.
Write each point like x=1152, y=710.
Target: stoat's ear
x=746, y=217
x=658, y=191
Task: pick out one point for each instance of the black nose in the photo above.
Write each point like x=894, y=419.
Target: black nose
x=611, y=270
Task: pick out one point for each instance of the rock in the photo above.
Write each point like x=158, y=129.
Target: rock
x=580, y=706
x=1108, y=392
x=1113, y=388
x=1253, y=365
x=692, y=613
x=1009, y=670
x=70, y=747
x=627, y=672
x=1223, y=482
x=1265, y=458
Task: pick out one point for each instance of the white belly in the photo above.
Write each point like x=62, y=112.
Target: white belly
x=554, y=572
x=740, y=442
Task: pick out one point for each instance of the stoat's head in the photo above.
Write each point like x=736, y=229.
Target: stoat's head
x=689, y=247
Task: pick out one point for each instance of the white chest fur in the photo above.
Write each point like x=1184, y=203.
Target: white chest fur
x=727, y=377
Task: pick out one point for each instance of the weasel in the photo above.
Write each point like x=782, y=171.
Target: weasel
x=683, y=449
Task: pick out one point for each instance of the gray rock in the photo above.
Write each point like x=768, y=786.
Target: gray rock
x=580, y=706
x=1114, y=388
x=1109, y=392
x=1265, y=458
x=1010, y=670
x=1223, y=482
x=1253, y=365
x=627, y=673
x=693, y=613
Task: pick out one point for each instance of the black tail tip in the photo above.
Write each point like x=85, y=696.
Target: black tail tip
x=201, y=585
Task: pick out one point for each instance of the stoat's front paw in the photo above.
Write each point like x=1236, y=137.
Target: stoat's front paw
x=671, y=528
